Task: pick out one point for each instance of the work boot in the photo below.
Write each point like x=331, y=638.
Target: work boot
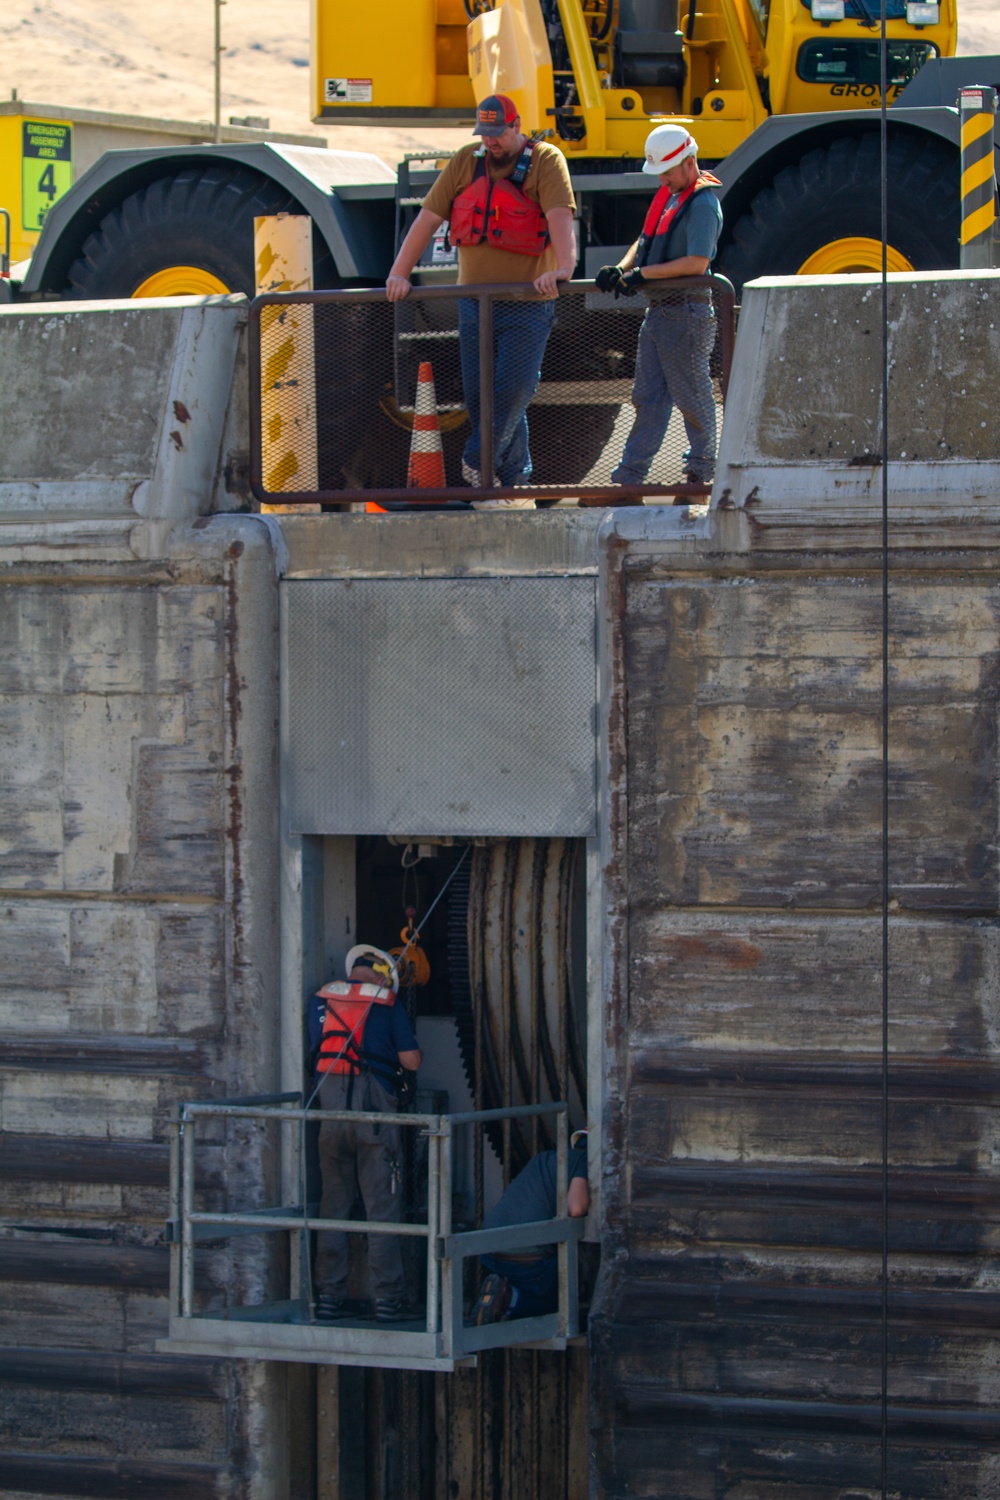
x=474, y=477
x=329, y=1306
x=389, y=1309
x=493, y=1302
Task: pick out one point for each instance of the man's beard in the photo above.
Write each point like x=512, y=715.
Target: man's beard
x=502, y=158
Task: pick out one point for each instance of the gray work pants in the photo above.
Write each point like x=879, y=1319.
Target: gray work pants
x=353, y=1158
x=672, y=369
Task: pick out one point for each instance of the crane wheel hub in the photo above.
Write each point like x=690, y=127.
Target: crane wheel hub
x=181, y=281
x=851, y=255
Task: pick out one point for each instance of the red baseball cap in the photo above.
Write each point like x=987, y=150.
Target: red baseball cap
x=495, y=115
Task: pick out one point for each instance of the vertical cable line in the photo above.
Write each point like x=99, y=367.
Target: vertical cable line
x=884, y=136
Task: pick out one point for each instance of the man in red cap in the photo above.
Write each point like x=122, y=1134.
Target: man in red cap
x=509, y=206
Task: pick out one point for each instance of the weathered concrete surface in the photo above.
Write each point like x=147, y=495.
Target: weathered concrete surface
x=560, y=542
x=735, y=1342
x=138, y=906
x=769, y=699
x=802, y=431
x=137, y=968
x=737, y=1329
x=110, y=408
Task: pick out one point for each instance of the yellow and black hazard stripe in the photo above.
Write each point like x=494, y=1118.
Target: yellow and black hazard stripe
x=977, y=111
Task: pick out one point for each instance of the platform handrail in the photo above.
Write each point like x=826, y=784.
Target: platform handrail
x=447, y=1250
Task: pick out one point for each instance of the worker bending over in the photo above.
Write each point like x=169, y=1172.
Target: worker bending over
x=525, y=1283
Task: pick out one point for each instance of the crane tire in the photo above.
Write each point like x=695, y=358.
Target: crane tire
x=188, y=232
x=817, y=209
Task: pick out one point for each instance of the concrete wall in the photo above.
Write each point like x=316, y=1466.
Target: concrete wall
x=736, y=1344
x=735, y=1341
x=802, y=434
x=138, y=705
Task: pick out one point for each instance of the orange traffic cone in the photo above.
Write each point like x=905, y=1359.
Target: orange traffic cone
x=426, y=471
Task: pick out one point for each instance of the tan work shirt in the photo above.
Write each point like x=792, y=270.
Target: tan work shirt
x=546, y=184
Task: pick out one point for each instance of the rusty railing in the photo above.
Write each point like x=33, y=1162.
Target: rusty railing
x=334, y=389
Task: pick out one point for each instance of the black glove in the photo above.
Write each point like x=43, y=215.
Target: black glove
x=630, y=283
x=608, y=278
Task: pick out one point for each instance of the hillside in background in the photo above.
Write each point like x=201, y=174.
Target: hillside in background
x=157, y=60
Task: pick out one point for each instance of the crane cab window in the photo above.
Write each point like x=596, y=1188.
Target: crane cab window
x=759, y=10
x=869, y=10
x=845, y=62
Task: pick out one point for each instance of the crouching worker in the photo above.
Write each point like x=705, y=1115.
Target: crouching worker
x=360, y=1038
x=525, y=1283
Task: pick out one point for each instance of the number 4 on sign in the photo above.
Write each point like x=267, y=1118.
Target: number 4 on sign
x=47, y=183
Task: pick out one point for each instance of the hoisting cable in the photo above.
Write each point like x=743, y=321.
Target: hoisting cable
x=303, y=1184
x=884, y=140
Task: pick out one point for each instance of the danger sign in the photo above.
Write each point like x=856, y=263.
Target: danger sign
x=347, y=91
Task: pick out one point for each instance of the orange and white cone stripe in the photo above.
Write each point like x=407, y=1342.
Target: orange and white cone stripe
x=426, y=469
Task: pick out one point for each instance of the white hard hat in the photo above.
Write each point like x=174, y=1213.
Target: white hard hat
x=374, y=958
x=666, y=147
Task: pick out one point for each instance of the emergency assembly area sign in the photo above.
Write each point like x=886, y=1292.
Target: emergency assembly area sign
x=46, y=169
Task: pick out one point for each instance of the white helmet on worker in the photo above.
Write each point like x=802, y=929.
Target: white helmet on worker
x=367, y=956
x=666, y=147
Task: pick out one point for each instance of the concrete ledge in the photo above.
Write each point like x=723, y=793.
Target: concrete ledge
x=112, y=408
x=802, y=435
x=441, y=544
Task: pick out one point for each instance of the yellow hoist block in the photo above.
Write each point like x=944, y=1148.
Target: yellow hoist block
x=414, y=967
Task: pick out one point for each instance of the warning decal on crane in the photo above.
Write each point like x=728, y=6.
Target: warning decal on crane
x=347, y=91
x=46, y=169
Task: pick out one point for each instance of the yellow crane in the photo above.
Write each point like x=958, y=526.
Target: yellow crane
x=783, y=97
x=787, y=85
x=594, y=75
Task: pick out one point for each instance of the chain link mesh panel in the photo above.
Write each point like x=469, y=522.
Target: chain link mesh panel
x=336, y=375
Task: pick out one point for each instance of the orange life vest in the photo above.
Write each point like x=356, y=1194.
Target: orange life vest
x=498, y=212
x=661, y=218
x=346, y=1008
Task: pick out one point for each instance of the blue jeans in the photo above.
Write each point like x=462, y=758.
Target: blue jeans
x=537, y=1283
x=521, y=331
x=671, y=369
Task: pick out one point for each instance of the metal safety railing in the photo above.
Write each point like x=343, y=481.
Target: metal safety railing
x=341, y=412
x=284, y=1327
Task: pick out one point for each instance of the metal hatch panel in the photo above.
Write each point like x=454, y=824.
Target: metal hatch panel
x=455, y=706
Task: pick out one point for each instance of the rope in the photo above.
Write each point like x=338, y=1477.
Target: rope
x=884, y=141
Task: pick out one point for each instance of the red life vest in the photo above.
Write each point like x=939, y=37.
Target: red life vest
x=498, y=212
x=346, y=1011
x=660, y=219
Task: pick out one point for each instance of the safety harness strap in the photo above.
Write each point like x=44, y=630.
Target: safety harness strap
x=660, y=219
